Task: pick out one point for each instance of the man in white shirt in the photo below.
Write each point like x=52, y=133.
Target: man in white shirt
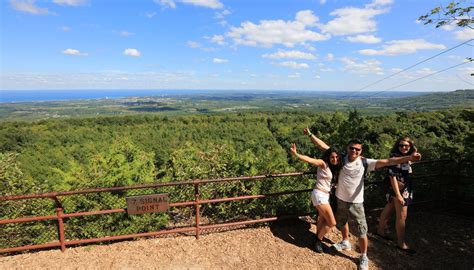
x=350, y=193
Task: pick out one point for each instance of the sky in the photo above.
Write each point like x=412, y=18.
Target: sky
x=316, y=45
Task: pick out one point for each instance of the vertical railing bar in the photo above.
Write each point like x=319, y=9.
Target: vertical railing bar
x=59, y=212
x=197, y=204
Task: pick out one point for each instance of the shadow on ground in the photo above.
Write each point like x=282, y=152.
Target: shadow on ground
x=441, y=242
x=297, y=232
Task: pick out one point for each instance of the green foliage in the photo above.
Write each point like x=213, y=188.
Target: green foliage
x=457, y=12
x=12, y=179
x=80, y=153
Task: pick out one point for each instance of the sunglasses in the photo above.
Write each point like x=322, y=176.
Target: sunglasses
x=404, y=145
x=354, y=149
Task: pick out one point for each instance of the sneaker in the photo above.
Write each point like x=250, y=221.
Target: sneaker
x=363, y=262
x=343, y=245
x=318, y=247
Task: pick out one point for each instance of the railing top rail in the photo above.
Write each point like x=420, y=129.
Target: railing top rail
x=54, y=195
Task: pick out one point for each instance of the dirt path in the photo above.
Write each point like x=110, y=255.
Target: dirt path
x=286, y=245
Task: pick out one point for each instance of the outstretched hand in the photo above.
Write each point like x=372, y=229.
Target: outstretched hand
x=415, y=156
x=307, y=131
x=293, y=149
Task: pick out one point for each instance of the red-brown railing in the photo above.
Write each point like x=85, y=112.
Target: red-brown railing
x=454, y=179
x=196, y=203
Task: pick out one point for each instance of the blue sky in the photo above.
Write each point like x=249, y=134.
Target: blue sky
x=327, y=45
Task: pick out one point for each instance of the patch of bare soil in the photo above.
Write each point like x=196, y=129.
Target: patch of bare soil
x=441, y=241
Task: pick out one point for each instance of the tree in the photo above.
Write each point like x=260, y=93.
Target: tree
x=453, y=12
x=12, y=179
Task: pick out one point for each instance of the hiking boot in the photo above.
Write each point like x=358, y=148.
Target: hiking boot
x=318, y=247
x=363, y=262
x=343, y=245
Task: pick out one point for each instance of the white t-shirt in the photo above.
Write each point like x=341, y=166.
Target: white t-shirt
x=350, y=184
x=324, y=177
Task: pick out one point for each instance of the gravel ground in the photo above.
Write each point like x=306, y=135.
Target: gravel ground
x=441, y=241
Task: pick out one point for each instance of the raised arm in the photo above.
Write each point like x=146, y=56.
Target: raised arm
x=312, y=161
x=318, y=142
x=397, y=160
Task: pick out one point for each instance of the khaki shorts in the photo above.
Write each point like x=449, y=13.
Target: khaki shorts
x=354, y=214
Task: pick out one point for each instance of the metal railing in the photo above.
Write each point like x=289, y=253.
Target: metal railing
x=62, y=219
x=59, y=201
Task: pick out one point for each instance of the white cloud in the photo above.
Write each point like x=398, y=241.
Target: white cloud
x=326, y=69
x=398, y=47
x=219, y=61
x=74, y=3
x=73, y=52
x=370, y=66
x=379, y=3
x=150, y=15
x=29, y=6
x=465, y=34
x=218, y=39
x=322, y=2
x=272, y=32
x=166, y=3
x=351, y=20
x=425, y=71
x=65, y=28
x=467, y=70
x=294, y=65
x=214, y=4
x=364, y=39
x=290, y=54
x=449, y=27
x=330, y=57
x=221, y=14
x=193, y=44
x=294, y=76
x=197, y=45
x=132, y=52
x=125, y=33
x=306, y=17
x=101, y=80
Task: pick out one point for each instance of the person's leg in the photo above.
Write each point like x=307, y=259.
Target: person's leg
x=357, y=218
x=363, y=244
x=384, y=217
x=345, y=231
x=342, y=216
x=328, y=220
x=401, y=212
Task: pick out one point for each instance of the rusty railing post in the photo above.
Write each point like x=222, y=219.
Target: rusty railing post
x=197, y=204
x=59, y=212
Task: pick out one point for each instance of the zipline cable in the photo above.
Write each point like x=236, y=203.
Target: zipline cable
x=417, y=79
x=412, y=66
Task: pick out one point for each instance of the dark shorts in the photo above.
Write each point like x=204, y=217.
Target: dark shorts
x=354, y=214
x=406, y=193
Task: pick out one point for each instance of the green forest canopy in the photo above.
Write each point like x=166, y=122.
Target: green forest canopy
x=59, y=155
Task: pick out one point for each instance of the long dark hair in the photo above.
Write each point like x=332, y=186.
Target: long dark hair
x=326, y=158
x=396, y=150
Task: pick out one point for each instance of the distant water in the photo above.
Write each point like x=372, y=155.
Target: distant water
x=7, y=96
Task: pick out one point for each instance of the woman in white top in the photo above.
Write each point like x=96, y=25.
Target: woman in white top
x=328, y=167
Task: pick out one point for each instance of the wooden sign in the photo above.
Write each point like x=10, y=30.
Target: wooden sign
x=147, y=204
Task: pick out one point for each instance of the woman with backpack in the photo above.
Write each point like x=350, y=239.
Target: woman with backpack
x=328, y=167
x=399, y=195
